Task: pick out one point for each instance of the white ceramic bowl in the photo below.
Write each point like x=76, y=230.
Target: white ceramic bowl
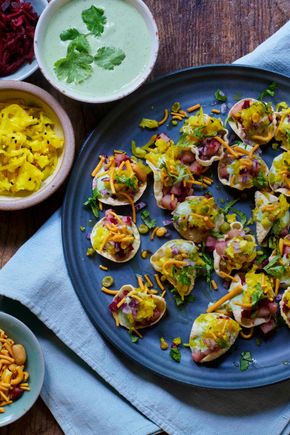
x=41, y=30
x=28, y=68
x=21, y=334
x=34, y=95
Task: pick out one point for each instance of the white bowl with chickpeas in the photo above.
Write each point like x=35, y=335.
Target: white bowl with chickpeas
x=21, y=369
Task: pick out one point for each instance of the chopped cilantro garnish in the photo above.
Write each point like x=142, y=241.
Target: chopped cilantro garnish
x=92, y=202
x=243, y=217
x=134, y=338
x=145, y=216
x=128, y=181
x=175, y=354
x=178, y=301
x=220, y=96
x=260, y=180
x=275, y=269
x=259, y=260
x=269, y=91
x=245, y=361
x=257, y=294
x=207, y=268
x=229, y=205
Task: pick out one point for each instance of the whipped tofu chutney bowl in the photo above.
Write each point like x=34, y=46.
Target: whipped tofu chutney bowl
x=96, y=51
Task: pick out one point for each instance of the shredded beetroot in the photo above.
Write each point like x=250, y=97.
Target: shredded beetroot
x=17, y=25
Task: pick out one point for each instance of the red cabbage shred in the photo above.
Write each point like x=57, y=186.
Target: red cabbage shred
x=17, y=25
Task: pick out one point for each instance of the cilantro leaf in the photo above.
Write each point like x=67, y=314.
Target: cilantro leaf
x=220, y=96
x=178, y=301
x=134, y=338
x=257, y=294
x=146, y=218
x=208, y=267
x=129, y=182
x=80, y=44
x=109, y=57
x=175, y=354
x=75, y=67
x=260, y=180
x=229, y=205
x=94, y=19
x=92, y=202
x=275, y=269
x=245, y=361
x=269, y=91
x=243, y=217
x=69, y=34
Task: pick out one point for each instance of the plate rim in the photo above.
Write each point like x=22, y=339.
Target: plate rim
x=95, y=135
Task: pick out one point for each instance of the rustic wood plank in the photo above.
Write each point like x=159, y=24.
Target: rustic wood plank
x=192, y=32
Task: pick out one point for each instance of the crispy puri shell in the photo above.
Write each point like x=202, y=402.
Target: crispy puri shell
x=195, y=150
x=161, y=253
x=284, y=142
x=157, y=184
x=194, y=234
x=160, y=302
x=115, y=201
x=237, y=128
x=260, y=230
x=284, y=190
x=239, y=186
x=213, y=355
x=281, y=306
x=136, y=243
x=237, y=309
x=216, y=257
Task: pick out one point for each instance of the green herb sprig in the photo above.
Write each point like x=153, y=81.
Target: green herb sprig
x=76, y=66
x=269, y=91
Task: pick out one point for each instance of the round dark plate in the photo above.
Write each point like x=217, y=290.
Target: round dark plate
x=196, y=85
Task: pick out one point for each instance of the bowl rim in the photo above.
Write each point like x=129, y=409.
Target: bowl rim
x=33, y=66
x=68, y=152
x=147, y=15
x=21, y=326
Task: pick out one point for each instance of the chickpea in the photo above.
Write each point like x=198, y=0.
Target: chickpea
x=161, y=232
x=19, y=354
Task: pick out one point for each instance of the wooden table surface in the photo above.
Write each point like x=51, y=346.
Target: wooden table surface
x=192, y=32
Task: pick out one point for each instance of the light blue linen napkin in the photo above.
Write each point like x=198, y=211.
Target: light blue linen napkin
x=89, y=387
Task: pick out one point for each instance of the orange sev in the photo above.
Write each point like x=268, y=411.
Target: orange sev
x=128, y=197
x=236, y=291
x=193, y=108
x=159, y=283
x=226, y=275
x=277, y=285
x=165, y=117
x=148, y=280
x=98, y=167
